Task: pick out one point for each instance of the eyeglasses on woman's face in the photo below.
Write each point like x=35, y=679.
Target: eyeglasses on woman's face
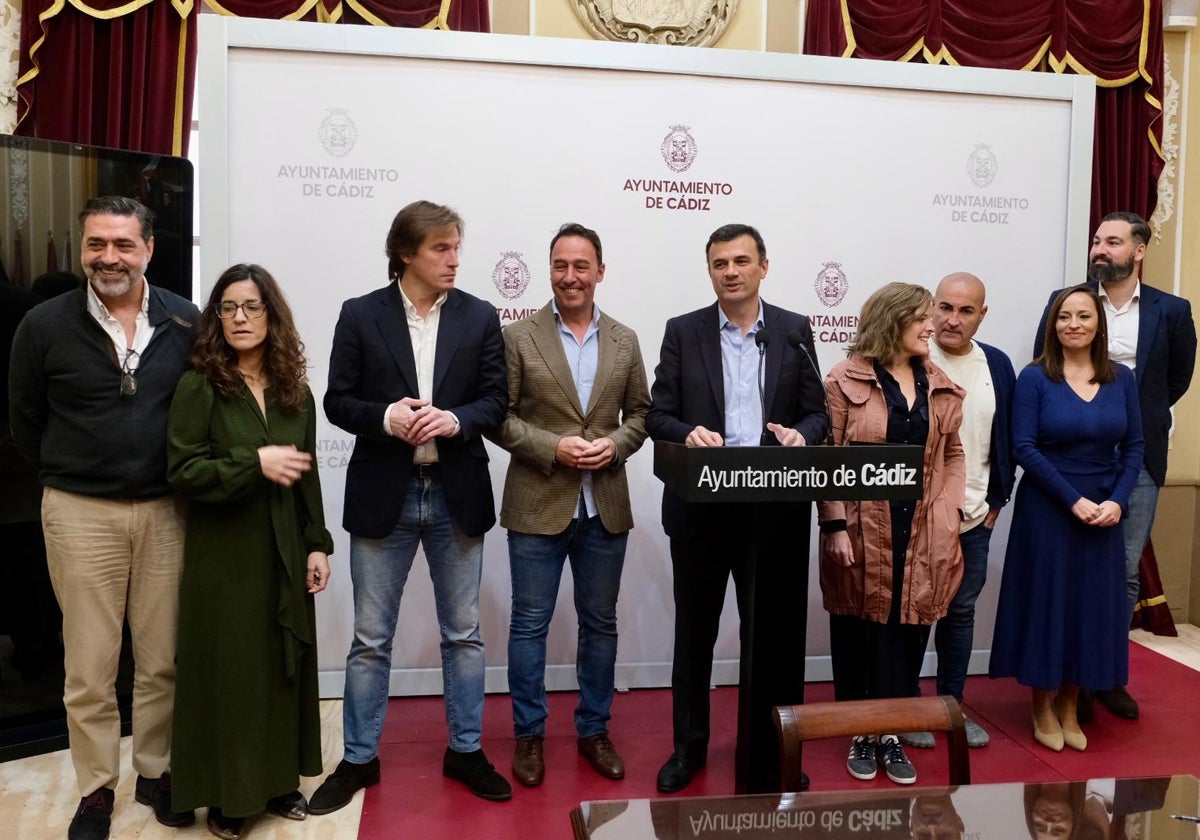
x=227, y=309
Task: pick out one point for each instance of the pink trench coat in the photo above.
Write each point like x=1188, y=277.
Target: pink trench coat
x=933, y=565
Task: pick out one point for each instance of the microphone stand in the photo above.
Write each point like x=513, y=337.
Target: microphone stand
x=762, y=338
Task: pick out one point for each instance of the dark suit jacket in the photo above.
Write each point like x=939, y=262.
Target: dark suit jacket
x=1166, y=356
x=689, y=388
x=372, y=365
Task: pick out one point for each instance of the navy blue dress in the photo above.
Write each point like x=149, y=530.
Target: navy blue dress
x=1063, y=615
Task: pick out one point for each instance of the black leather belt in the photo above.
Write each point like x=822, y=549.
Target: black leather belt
x=428, y=470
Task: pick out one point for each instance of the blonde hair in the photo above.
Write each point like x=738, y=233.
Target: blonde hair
x=884, y=316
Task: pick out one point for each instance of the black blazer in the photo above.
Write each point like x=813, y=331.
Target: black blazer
x=372, y=365
x=1166, y=356
x=689, y=388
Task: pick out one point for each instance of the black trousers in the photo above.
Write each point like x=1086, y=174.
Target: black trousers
x=873, y=659
x=765, y=548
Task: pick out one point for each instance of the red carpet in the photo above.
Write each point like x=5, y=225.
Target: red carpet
x=414, y=800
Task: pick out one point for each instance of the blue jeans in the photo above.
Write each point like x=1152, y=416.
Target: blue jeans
x=1143, y=502
x=955, y=631
x=379, y=569
x=536, y=561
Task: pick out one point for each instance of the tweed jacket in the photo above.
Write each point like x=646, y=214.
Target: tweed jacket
x=933, y=564
x=540, y=495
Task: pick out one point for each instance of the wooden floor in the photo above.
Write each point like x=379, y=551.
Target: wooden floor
x=38, y=795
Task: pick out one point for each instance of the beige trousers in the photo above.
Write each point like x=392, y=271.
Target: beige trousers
x=108, y=559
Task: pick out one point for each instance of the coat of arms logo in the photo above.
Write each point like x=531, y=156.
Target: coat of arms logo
x=337, y=133
x=511, y=275
x=831, y=284
x=679, y=148
x=982, y=165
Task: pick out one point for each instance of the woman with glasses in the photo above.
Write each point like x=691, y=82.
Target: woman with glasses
x=241, y=441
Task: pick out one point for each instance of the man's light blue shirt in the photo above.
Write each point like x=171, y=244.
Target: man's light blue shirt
x=739, y=367
x=583, y=358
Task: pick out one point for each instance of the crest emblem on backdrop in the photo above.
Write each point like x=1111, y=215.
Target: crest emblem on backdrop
x=831, y=284
x=511, y=275
x=982, y=165
x=679, y=148
x=694, y=23
x=337, y=132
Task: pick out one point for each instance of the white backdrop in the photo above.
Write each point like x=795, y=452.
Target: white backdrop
x=860, y=172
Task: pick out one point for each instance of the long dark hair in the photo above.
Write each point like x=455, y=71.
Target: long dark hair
x=283, y=356
x=1051, y=360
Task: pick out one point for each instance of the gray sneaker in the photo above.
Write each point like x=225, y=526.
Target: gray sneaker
x=976, y=735
x=920, y=740
x=895, y=763
x=861, y=763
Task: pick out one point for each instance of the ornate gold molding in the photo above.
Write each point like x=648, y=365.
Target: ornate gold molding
x=694, y=23
x=10, y=51
x=1165, y=208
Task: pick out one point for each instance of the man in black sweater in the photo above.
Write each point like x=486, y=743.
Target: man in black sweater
x=92, y=376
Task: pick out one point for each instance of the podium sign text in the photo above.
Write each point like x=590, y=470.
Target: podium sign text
x=784, y=474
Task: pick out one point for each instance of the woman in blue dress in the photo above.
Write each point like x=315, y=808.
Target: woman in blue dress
x=1061, y=623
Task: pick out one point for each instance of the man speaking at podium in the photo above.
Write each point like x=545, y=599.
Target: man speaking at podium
x=739, y=372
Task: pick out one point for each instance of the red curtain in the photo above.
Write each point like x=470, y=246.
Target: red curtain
x=108, y=72
x=459, y=15
x=271, y=9
x=1120, y=42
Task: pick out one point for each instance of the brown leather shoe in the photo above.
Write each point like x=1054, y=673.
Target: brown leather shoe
x=528, y=766
x=602, y=755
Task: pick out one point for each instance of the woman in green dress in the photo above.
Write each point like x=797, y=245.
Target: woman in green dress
x=241, y=440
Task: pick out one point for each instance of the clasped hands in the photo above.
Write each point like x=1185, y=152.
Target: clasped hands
x=416, y=422
x=574, y=451
x=1103, y=515
x=786, y=435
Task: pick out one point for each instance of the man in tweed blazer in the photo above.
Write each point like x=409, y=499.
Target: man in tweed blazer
x=577, y=400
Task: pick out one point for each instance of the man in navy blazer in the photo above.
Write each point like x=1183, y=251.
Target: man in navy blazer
x=1153, y=333
x=417, y=374
x=706, y=393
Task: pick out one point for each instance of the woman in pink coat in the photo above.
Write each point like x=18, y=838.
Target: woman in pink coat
x=889, y=569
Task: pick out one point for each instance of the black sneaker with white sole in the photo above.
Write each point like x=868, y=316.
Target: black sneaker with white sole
x=861, y=762
x=895, y=763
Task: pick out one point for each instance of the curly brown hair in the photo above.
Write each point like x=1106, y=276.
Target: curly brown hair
x=283, y=358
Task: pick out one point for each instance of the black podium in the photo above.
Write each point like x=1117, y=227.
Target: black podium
x=778, y=484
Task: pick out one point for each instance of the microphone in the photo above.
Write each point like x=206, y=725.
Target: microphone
x=796, y=339
x=762, y=338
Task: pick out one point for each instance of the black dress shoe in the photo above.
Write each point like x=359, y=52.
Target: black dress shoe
x=157, y=794
x=337, y=791
x=93, y=817
x=476, y=772
x=1118, y=701
x=227, y=828
x=677, y=773
x=290, y=806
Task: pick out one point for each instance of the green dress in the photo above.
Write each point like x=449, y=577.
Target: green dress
x=247, y=723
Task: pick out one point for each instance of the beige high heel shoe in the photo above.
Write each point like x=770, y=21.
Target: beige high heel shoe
x=1049, y=740
x=1075, y=739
